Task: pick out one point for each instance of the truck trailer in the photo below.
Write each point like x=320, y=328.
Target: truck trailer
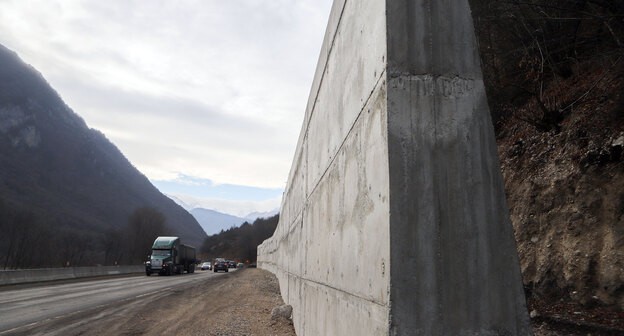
x=169, y=256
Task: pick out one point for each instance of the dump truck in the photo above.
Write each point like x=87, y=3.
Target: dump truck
x=169, y=256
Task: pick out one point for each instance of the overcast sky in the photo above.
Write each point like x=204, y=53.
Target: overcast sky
x=205, y=97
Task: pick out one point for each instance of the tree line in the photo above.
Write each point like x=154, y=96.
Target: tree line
x=30, y=240
x=239, y=243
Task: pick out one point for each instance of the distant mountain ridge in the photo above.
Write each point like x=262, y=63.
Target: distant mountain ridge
x=266, y=214
x=71, y=175
x=213, y=221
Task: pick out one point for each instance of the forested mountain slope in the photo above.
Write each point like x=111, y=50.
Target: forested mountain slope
x=65, y=189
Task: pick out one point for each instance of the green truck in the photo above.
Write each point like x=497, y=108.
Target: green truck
x=169, y=256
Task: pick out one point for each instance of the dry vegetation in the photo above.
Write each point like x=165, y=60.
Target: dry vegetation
x=555, y=76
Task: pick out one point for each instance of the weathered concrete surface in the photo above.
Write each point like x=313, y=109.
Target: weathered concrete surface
x=394, y=219
x=331, y=248
x=449, y=226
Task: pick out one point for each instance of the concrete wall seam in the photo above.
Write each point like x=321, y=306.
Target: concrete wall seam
x=380, y=81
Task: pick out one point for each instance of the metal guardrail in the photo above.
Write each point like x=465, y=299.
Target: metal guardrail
x=10, y=277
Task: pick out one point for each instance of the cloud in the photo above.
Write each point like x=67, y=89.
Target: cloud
x=206, y=189
x=167, y=136
x=239, y=208
x=204, y=88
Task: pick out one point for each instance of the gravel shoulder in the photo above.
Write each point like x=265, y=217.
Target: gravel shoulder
x=234, y=303
x=237, y=303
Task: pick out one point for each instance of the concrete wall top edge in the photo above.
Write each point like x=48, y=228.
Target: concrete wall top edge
x=330, y=33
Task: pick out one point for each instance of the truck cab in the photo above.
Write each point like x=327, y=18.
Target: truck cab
x=169, y=256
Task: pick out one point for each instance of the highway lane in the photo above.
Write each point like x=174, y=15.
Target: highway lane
x=27, y=307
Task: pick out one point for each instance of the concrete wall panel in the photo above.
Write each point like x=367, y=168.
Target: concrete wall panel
x=334, y=22
x=331, y=244
x=451, y=242
x=394, y=219
x=296, y=190
x=346, y=220
x=450, y=229
x=339, y=313
x=357, y=58
x=432, y=37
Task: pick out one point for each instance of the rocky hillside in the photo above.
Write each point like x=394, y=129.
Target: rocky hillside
x=566, y=193
x=554, y=72
x=65, y=175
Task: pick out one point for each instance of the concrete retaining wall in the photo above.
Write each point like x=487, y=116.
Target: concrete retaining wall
x=10, y=277
x=394, y=220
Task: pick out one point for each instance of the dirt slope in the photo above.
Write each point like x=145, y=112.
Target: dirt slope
x=565, y=190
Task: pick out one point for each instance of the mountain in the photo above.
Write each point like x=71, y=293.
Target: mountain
x=214, y=222
x=68, y=176
x=183, y=203
x=266, y=214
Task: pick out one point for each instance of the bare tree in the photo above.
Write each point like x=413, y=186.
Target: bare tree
x=144, y=225
x=20, y=229
x=113, y=247
x=528, y=46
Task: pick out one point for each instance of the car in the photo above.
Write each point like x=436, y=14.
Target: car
x=220, y=265
x=206, y=266
x=240, y=265
x=231, y=264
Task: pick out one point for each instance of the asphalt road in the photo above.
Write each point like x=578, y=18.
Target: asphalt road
x=29, y=308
